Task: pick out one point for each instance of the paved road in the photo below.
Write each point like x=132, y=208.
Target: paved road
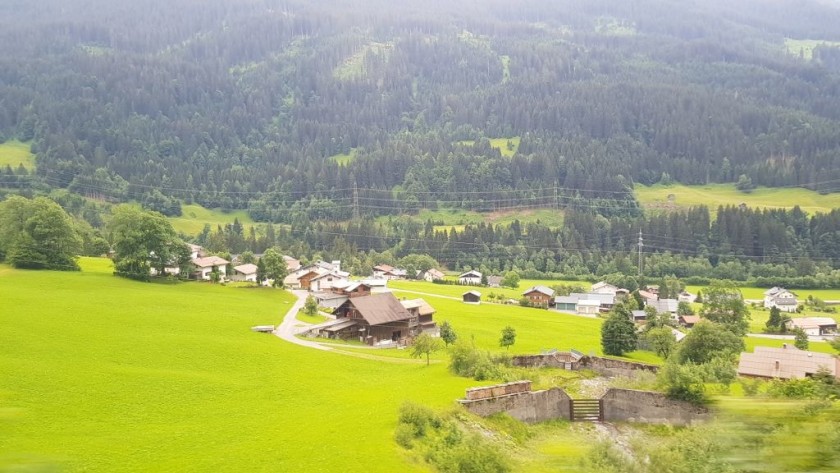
x=287, y=329
x=812, y=338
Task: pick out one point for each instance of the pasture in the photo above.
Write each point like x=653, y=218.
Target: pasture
x=714, y=195
x=194, y=217
x=105, y=374
x=15, y=153
x=448, y=219
x=344, y=159
x=507, y=146
x=804, y=48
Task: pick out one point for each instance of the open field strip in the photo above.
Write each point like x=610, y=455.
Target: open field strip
x=714, y=195
x=15, y=153
x=105, y=374
x=194, y=217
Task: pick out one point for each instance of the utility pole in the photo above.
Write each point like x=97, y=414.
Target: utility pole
x=356, y=215
x=641, y=245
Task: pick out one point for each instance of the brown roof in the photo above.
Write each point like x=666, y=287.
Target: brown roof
x=785, y=363
x=379, y=308
x=423, y=307
x=690, y=319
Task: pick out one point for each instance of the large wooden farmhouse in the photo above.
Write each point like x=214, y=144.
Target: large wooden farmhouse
x=381, y=318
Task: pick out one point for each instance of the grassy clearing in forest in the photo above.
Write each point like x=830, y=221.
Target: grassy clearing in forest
x=344, y=158
x=507, y=146
x=194, y=217
x=656, y=197
x=15, y=153
x=105, y=374
x=804, y=48
x=447, y=219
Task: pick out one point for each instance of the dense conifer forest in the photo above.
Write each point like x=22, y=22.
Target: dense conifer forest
x=248, y=104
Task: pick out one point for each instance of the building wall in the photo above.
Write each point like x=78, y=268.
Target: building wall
x=609, y=367
x=538, y=298
x=627, y=405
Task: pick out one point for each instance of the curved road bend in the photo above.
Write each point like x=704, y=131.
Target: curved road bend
x=286, y=330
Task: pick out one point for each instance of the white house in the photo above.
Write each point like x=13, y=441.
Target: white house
x=780, y=298
x=814, y=325
x=244, y=272
x=385, y=271
x=292, y=281
x=196, y=251
x=603, y=287
x=327, y=281
x=431, y=275
x=470, y=278
x=204, y=266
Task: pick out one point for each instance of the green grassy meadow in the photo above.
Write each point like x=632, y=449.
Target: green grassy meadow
x=805, y=47
x=105, y=374
x=344, y=158
x=194, y=217
x=14, y=153
x=500, y=143
x=458, y=218
x=714, y=195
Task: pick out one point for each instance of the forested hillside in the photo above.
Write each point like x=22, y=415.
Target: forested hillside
x=332, y=116
x=241, y=103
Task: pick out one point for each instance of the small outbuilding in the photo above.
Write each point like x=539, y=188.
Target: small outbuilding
x=814, y=325
x=472, y=297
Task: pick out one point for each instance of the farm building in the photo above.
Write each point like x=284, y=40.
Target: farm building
x=352, y=289
x=470, y=278
x=539, y=296
x=378, y=319
x=245, y=272
x=786, y=363
x=424, y=312
x=471, y=297
x=638, y=316
x=814, y=325
x=570, y=303
x=566, y=303
x=494, y=281
x=588, y=307
x=326, y=281
x=384, y=271
x=292, y=264
x=430, y=275
x=665, y=306
x=780, y=298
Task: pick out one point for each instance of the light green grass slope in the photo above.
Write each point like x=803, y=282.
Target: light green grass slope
x=194, y=217
x=714, y=195
x=14, y=153
x=105, y=374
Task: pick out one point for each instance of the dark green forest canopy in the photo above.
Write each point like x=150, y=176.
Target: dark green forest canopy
x=241, y=103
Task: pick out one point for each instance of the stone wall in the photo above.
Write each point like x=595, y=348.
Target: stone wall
x=563, y=360
x=650, y=408
x=609, y=367
x=532, y=406
x=486, y=392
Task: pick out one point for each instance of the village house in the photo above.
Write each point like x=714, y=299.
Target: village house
x=244, y=272
x=780, y=298
x=377, y=286
x=603, y=287
x=384, y=271
x=813, y=326
x=787, y=362
x=292, y=264
x=302, y=277
x=588, y=307
x=665, y=306
x=570, y=303
x=471, y=297
x=431, y=275
x=638, y=316
x=689, y=321
x=539, y=296
x=196, y=251
x=206, y=265
x=352, y=289
x=494, y=281
x=470, y=278
x=326, y=281
x=378, y=319
x=648, y=297
x=424, y=312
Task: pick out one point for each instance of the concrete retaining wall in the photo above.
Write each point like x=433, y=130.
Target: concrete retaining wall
x=610, y=368
x=535, y=406
x=498, y=390
x=650, y=408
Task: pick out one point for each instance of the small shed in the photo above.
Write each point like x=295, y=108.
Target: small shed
x=588, y=307
x=472, y=297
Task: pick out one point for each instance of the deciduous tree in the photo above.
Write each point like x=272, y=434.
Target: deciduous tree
x=723, y=304
x=424, y=344
x=618, y=333
x=508, y=337
x=447, y=333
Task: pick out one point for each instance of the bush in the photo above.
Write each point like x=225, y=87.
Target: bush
x=468, y=361
x=418, y=418
x=404, y=436
x=683, y=382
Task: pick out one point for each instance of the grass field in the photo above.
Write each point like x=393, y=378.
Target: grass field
x=14, y=153
x=354, y=66
x=457, y=290
x=105, y=374
x=194, y=217
x=345, y=158
x=713, y=195
x=501, y=144
x=805, y=47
